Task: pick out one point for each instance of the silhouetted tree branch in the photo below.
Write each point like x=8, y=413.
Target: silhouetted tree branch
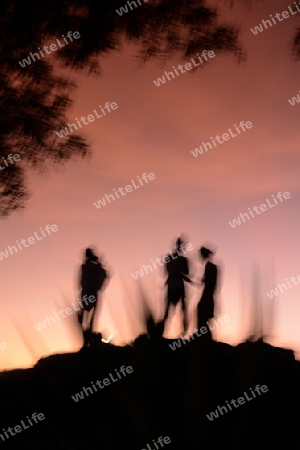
x=35, y=99
x=296, y=45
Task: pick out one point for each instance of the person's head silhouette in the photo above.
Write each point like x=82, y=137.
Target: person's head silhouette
x=205, y=254
x=90, y=255
x=179, y=247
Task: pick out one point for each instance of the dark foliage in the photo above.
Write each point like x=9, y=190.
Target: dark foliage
x=35, y=99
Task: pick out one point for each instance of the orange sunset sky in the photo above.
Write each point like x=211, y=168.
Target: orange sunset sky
x=154, y=130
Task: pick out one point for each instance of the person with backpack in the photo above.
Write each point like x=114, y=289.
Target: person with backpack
x=177, y=271
x=93, y=276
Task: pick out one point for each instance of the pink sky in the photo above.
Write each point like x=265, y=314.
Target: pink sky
x=154, y=130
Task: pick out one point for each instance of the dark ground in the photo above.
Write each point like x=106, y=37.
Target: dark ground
x=168, y=394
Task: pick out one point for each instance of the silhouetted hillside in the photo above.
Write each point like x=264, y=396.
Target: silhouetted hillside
x=168, y=393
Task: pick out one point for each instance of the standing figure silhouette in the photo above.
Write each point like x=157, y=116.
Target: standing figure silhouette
x=206, y=305
x=177, y=270
x=92, y=278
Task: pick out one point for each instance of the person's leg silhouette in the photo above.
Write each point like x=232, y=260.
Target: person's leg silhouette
x=167, y=311
x=184, y=311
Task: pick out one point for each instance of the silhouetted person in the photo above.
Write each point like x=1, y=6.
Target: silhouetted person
x=206, y=305
x=177, y=270
x=92, y=278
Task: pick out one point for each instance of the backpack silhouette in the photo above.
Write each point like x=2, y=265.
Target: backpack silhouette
x=93, y=277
